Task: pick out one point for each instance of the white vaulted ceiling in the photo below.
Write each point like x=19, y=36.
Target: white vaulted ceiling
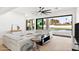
x=4, y=10
x=30, y=11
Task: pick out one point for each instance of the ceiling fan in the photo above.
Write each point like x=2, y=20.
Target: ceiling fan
x=43, y=10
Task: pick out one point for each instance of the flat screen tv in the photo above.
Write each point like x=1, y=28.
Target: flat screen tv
x=77, y=32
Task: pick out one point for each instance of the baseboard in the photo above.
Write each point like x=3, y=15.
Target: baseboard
x=62, y=35
x=75, y=50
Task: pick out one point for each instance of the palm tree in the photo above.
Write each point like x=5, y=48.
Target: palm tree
x=53, y=21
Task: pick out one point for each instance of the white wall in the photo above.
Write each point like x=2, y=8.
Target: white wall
x=77, y=15
x=6, y=20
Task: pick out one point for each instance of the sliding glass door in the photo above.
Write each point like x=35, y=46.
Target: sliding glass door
x=60, y=25
x=60, y=22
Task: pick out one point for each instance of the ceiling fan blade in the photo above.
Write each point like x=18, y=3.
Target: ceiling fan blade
x=44, y=13
x=48, y=10
x=39, y=11
x=42, y=8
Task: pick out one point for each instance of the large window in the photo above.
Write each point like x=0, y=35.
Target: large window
x=59, y=25
x=60, y=22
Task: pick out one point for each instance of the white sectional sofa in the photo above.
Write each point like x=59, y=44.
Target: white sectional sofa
x=17, y=41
